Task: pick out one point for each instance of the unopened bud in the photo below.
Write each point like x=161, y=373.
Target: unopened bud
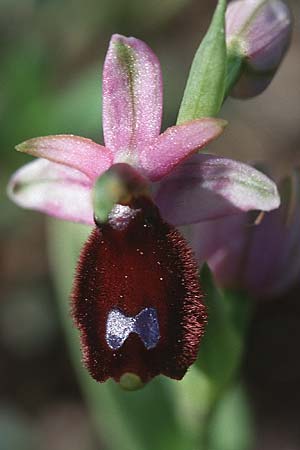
x=258, y=34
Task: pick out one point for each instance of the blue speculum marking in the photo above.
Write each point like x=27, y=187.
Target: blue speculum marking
x=144, y=324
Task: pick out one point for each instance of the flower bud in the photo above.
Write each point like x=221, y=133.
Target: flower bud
x=258, y=34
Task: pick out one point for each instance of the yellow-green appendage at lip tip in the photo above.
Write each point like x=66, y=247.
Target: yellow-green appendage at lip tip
x=130, y=382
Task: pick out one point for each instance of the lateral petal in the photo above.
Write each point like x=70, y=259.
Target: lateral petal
x=176, y=143
x=77, y=152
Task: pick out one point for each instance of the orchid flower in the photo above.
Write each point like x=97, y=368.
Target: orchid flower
x=136, y=298
x=258, y=34
x=261, y=258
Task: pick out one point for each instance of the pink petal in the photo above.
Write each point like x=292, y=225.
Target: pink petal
x=238, y=14
x=73, y=151
x=132, y=96
x=176, y=143
x=54, y=189
x=243, y=255
x=262, y=28
x=208, y=187
x=252, y=257
x=211, y=239
x=276, y=244
x=263, y=255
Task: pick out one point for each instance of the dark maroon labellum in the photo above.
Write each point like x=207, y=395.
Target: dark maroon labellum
x=136, y=298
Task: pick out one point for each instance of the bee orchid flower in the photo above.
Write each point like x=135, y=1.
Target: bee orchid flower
x=261, y=258
x=136, y=298
x=258, y=34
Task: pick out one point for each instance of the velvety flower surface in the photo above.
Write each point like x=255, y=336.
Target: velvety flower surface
x=136, y=297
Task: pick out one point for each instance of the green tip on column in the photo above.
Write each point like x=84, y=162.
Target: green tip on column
x=120, y=184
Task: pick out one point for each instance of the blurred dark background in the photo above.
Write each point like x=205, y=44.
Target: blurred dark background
x=51, y=60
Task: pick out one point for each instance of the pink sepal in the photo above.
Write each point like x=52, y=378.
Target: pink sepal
x=209, y=187
x=54, y=189
x=132, y=96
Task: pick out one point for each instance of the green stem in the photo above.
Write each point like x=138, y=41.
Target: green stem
x=234, y=67
x=204, y=91
x=229, y=424
x=222, y=348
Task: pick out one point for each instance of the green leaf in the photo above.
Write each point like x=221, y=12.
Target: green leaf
x=223, y=343
x=204, y=92
x=231, y=423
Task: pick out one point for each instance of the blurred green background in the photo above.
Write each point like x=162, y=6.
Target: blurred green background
x=52, y=53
